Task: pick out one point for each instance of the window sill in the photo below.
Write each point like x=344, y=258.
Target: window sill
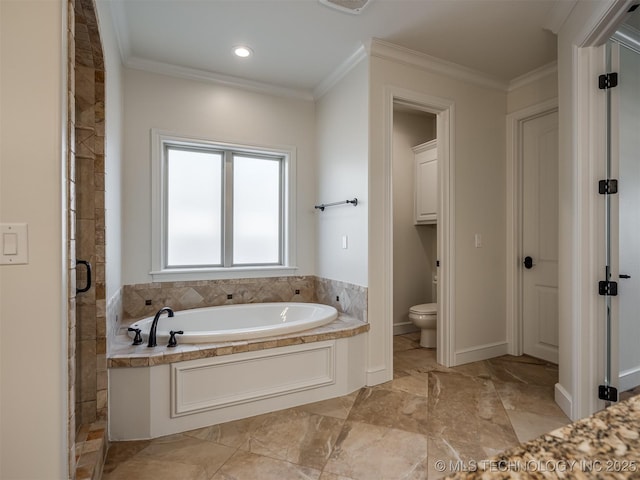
x=192, y=274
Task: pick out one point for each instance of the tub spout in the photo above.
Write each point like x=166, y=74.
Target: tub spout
x=154, y=326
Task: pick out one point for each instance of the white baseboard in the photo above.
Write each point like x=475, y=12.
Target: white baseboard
x=404, y=327
x=376, y=376
x=563, y=399
x=481, y=352
x=629, y=379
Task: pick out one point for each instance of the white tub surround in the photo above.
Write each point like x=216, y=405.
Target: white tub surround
x=172, y=390
x=239, y=322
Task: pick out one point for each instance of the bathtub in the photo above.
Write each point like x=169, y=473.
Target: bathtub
x=239, y=322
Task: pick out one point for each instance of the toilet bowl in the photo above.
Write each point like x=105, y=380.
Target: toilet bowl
x=425, y=317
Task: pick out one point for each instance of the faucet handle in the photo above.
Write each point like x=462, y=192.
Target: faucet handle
x=137, y=340
x=172, y=338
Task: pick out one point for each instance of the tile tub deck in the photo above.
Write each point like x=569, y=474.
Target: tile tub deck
x=123, y=354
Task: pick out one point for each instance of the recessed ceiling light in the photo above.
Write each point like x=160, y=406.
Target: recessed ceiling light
x=242, y=51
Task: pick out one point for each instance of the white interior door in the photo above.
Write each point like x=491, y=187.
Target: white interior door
x=540, y=237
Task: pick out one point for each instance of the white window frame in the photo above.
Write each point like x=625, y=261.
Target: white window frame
x=159, y=271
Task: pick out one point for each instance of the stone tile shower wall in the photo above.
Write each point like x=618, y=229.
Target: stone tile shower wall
x=71, y=238
x=144, y=300
x=89, y=210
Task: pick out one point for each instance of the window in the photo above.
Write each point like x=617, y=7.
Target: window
x=220, y=210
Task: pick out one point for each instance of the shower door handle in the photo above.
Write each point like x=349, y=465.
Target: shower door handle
x=88, y=284
x=622, y=275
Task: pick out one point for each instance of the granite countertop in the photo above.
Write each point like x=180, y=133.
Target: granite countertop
x=123, y=354
x=604, y=445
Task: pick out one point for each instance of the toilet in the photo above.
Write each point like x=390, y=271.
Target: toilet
x=425, y=317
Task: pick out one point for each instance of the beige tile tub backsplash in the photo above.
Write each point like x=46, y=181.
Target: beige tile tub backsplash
x=198, y=294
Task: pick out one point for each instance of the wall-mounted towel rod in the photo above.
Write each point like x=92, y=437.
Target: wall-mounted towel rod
x=321, y=207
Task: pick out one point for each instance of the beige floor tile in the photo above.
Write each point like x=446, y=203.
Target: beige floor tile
x=249, y=466
x=422, y=359
x=150, y=468
x=334, y=407
x=231, y=434
x=522, y=397
x=391, y=409
x=466, y=411
x=446, y=459
x=413, y=381
x=120, y=452
x=523, y=370
x=531, y=425
x=370, y=452
x=189, y=451
x=294, y=436
x=406, y=342
x=333, y=476
x=475, y=369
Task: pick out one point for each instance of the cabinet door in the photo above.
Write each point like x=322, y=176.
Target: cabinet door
x=427, y=186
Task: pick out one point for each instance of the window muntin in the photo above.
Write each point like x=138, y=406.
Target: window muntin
x=224, y=207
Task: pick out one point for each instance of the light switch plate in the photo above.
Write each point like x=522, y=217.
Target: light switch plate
x=16, y=249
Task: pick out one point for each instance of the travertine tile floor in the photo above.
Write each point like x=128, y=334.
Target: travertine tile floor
x=397, y=430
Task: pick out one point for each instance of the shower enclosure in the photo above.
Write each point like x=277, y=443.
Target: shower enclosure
x=621, y=190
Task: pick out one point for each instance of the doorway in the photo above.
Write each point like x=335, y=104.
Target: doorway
x=443, y=110
x=414, y=240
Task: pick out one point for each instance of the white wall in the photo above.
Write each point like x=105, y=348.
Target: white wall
x=479, y=156
x=113, y=148
x=533, y=93
x=342, y=122
x=414, y=247
x=33, y=367
x=215, y=112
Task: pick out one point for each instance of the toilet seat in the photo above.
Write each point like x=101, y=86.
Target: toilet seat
x=424, y=309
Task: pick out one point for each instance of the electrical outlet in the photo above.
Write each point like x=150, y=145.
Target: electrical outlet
x=478, y=240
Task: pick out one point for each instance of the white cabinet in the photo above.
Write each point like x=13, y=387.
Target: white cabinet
x=426, y=183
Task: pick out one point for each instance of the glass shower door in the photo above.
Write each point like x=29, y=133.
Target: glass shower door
x=625, y=55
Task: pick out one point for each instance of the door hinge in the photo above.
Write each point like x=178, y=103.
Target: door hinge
x=606, y=187
x=608, y=393
x=608, y=80
x=608, y=288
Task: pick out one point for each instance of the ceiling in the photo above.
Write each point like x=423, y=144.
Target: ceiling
x=298, y=44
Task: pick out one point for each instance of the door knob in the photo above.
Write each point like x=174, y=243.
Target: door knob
x=528, y=262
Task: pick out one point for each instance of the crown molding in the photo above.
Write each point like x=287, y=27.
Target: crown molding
x=211, y=77
x=533, y=76
x=120, y=23
x=389, y=51
x=339, y=73
x=558, y=15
